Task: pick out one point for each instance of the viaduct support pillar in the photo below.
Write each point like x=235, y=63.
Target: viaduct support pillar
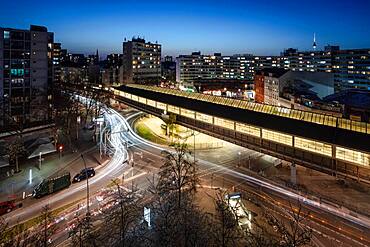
x=293, y=173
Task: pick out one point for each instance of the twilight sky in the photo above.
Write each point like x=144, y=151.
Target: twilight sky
x=229, y=26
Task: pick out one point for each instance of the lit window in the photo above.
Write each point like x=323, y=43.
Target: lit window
x=135, y=98
x=204, y=117
x=247, y=129
x=313, y=146
x=6, y=35
x=161, y=106
x=277, y=137
x=187, y=113
x=151, y=102
x=224, y=123
x=142, y=100
x=174, y=109
x=353, y=156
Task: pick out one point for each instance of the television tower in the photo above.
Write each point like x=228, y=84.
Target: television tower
x=314, y=45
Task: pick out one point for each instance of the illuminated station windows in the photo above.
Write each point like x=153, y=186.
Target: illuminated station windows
x=224, y=123
x=142, y=100
x=353, y=156
x=277, y=137
x=162, y=106
x=135, y=98
x=204, y=118
x=247, y=129
x=174, y=109
x=151, y=103
x=321, y=148
x=313, y=146
x=187, y=113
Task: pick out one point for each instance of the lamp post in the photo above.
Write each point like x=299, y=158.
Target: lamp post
x=239, y=154
x=78, y=126
x=87, y=188
x=132, y=174
x=60, y=151
x=194, y=145
x=40, y=160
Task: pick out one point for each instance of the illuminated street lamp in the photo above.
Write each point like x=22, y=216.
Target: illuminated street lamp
x=132, y=173
x=60, y=151
x=40, y=160
x=78, y=126
x=239, y=154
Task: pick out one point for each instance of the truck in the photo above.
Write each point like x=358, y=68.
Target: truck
x=51, y=185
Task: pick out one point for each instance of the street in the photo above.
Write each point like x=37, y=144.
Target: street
x=331, y=225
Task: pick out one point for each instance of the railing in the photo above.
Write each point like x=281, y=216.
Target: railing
x=317, y=118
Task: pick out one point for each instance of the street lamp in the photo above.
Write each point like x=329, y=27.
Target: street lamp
x=194, y=145
x=132, y=174
x=87, y=188
x=60, y=151
x=239, y=154
x=40, y=160
x=78, y=126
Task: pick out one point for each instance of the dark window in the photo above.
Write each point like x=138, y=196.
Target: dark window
x=6, y=44
x=6, y=73
x=6, y=83
x=6, y=54
x=16, y=44
x=27, y=83
x=17, y=54
x=26, y=63
x=17, y=35
x=17, y=64
x=27, y=45
x=6, y=64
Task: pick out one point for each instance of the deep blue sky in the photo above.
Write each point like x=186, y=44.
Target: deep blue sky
x=228, y=26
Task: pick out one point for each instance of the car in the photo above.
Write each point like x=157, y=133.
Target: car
x=7, y=207
x=84, y=174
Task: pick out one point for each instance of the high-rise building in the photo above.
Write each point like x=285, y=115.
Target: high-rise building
x=197, y=66
x=267, y=83
x=26, y=76
x=110, y=72
x=56, y=57
x=168, y=68
x=141, y=62
x=350, y=67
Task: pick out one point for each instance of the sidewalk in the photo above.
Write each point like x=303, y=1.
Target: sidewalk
x=13, y=187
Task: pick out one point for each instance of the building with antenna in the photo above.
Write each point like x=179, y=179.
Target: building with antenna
x=141, y=62
x=314, y=45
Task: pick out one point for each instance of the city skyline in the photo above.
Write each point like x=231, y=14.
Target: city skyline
x=264, y=28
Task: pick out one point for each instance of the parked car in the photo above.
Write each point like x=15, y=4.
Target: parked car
x=84, y=173
x=7, y=207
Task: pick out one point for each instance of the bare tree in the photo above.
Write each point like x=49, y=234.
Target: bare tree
x=225, y=230
x=16, y=236
x=15, y=149
x=178, y=173
x=125, y=216
x=293, y=233
x=66, y=118
x=83, y=233
x=47, y=227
